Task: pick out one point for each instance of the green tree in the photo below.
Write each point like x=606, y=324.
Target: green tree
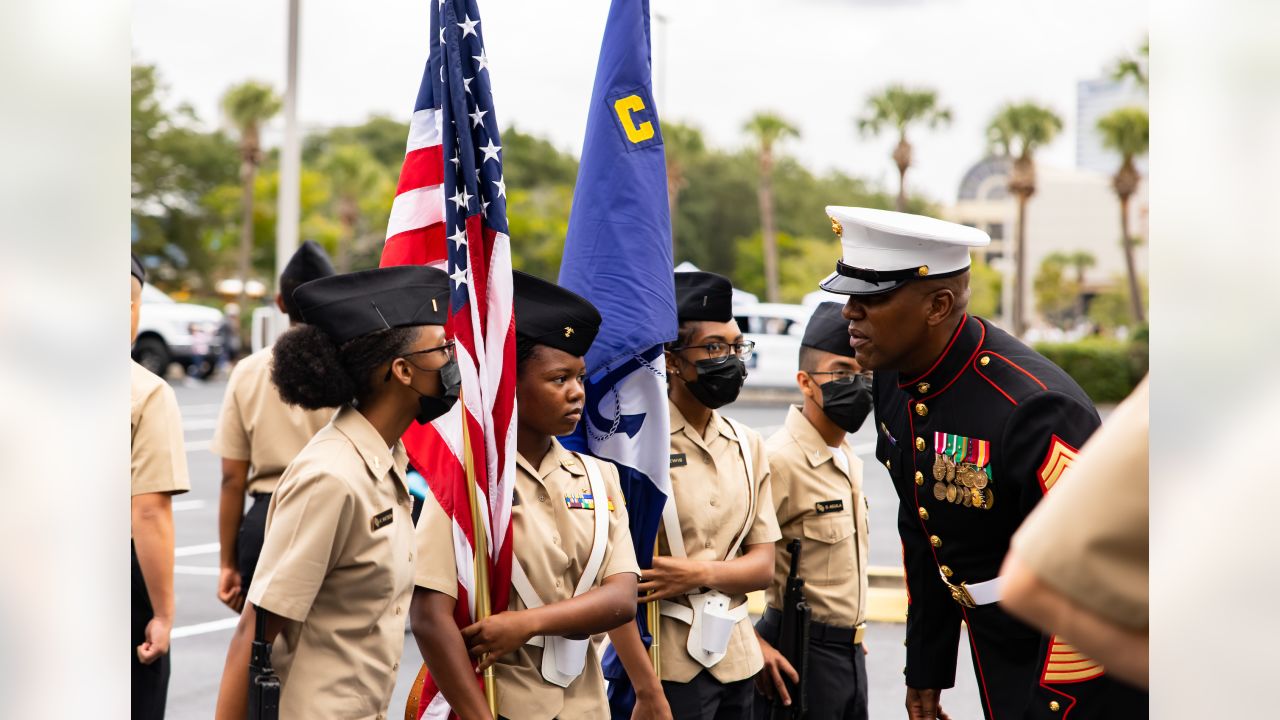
x=682, y=146
x=248, y=105
x=1080, y=261
x=360, y=187
x=383, y=137
x=1135, y=66
x=539, y=220
x=173, y=165
x=529, y=161
x=1016, y=131
x=899, y=107
x=768, y=129
x=1057, y=295
x=1110, y=309
x=1127, y=131
x=985, y=284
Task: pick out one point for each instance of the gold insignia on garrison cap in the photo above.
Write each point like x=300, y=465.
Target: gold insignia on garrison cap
x=568, y=331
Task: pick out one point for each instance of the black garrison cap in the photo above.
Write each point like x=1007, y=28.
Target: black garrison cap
x=703, y=296
x=550, y=315
x=309, y=263
x=828, y=330
x=348, y=306
x=136, y=269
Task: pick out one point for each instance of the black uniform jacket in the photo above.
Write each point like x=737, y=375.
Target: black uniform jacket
x=1010, y=421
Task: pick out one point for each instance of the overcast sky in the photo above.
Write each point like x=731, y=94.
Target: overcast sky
x=814, y=61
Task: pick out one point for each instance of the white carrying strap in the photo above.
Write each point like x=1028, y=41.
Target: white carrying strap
x=708, y=615
x=563, y=659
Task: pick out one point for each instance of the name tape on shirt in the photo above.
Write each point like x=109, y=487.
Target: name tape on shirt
x=829, y=506
x=381, y=520
x=679, y=460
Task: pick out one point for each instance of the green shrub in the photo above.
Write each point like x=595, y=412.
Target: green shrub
x=1108, y=370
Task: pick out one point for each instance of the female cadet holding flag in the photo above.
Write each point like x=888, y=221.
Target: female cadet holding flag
x=574, y=568
x=718, y=527
x=336, y=569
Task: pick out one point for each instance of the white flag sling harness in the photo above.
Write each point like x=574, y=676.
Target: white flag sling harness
x=563, y=658
x=709, y=617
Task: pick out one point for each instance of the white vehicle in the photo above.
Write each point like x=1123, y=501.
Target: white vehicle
x=776, y=329
x=170, y=331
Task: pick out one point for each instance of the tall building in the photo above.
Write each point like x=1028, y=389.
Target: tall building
x=1095, y=98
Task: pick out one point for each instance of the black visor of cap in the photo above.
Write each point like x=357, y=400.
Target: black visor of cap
x=550, y=315
x=828, y=330
x=703, y=296
x=348, y=306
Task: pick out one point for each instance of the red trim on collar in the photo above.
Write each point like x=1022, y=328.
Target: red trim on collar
x=959, y=328
x=1024, y=372
x=981, y=338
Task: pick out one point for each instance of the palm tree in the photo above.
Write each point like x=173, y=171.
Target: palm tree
x=1136, y=67
x=1127, y=131
x=899, y=107
x=1016, y=131
x=682, y=145
x=768, y=129
x=353, y=174
x=248, y=105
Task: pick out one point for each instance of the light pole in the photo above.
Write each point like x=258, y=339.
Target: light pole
x=288, y=201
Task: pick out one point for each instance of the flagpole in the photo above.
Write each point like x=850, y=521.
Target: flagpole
x=482, y=601
x=655, y=621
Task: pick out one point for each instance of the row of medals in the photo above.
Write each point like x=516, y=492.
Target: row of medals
x=961, y=484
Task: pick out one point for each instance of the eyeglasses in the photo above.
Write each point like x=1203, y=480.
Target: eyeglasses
x=844, y=377
x=447, y=349
x=722, y=351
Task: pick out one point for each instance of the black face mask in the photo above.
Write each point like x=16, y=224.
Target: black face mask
x=430, y=408
x=847, y=404
x=718, y=383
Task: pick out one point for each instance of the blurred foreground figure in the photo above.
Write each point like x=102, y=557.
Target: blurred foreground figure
x=1079, y=565
x=157, y=472
x=975, y=428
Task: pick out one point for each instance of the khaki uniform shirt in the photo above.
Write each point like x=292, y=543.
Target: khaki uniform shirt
x=824, y=507
x=337, y=563
x=552, y=543
x=712, y=493
x=158, y=459
x=256, y=425
x=1088, y=538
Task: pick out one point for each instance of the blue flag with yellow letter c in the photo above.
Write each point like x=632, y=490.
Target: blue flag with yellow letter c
x=617, y=254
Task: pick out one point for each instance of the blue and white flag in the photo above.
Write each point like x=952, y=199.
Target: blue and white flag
x=618, y=256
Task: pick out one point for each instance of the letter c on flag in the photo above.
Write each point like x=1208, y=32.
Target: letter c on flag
x=624, y=107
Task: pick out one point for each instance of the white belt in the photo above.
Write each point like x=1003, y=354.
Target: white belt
x=970, y=596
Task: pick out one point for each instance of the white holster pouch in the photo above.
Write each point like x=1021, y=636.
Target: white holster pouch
x=710, y=618
x=563, y=659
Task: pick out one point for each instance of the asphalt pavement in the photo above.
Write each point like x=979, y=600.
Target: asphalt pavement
x=203, y=624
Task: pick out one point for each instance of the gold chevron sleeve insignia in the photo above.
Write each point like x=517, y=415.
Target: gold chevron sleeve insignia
x=1066, y=664
x=1056, y=461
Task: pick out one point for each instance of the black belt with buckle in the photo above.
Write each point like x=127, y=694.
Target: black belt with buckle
x=821, y=632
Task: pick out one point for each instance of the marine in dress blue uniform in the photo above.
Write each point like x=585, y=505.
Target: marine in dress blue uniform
x=972, y=442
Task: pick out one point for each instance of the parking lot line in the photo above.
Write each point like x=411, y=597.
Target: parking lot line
x=189, y=550
x=204, y=628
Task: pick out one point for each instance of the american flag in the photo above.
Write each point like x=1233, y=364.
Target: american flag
x=450, y=211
